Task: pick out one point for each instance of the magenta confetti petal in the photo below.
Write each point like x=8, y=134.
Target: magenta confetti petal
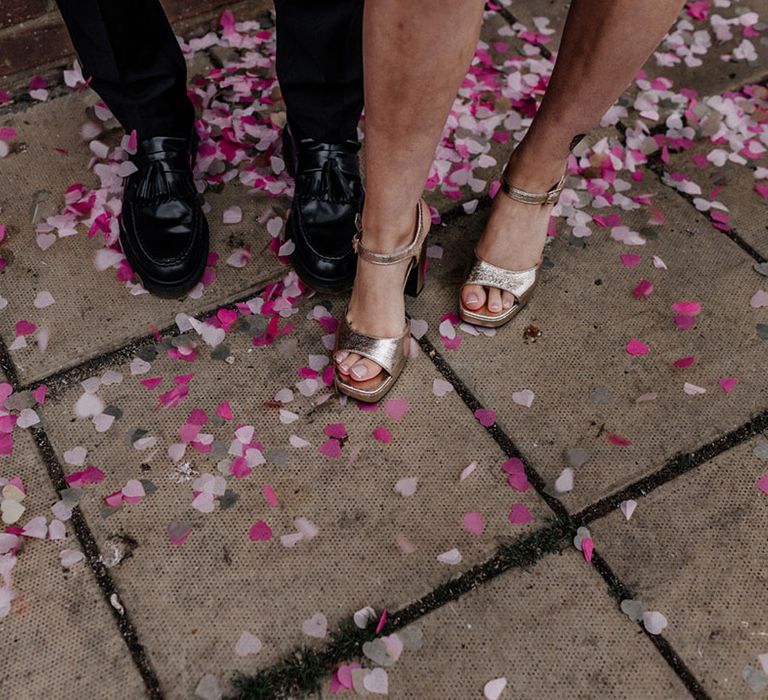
x=38, y=394
x=587, y=547
x=336, y=430
x=331, y=448
x=260, y=532
x=762, y=484
x=25, y=328
x=637, y=347
x=382, y=621
x=382, y=435
x=727, y=383
x=224, y=411
x=644, y=288
x=485, y=416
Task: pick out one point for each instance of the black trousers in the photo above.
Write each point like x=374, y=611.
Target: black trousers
x=128, y=49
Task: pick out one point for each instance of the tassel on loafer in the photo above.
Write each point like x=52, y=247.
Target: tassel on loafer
x=163, y=231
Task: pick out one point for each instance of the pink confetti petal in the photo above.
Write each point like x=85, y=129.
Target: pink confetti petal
x=762, y=484
x=396, y=408
x=520, y=515
x=644, y=288
x=687, y=308
x=587, y=548
x=630, y=259
x=728, y=383
x=473, y=523
x=485, y=416
x=270, y=496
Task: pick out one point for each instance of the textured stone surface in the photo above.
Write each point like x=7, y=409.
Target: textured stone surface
x=585, y=383
x=694, y=550
x=177, y=593
x=550, y=631
x=93, y=313
x=60, y=638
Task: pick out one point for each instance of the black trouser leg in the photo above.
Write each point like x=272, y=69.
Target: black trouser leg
x=320, y=66
x=130, y=52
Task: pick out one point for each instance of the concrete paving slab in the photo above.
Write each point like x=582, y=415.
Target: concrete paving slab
x=60, y=638
x=551, y=632
x=732, y=185
x=710, y=71
x=93, y=313
x=694, y=550
x=191, y=603
x=586, y=384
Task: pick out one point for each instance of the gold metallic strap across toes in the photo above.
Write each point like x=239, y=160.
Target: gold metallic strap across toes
x=519, y=283
x=389, y=353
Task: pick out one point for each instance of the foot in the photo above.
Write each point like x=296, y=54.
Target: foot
x=327, y=198
x=515, y=233
x=377, y=306
x=163, y=230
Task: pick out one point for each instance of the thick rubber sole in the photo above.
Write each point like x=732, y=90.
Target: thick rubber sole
x=164, y=290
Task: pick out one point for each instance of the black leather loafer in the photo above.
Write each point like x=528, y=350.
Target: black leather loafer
x=328, y=196
x=163, y=230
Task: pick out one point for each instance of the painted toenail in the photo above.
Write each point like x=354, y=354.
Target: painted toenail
x=472, y=299
x=359, y=371
x=507, y=303
x=345, y=368
x=495, y=307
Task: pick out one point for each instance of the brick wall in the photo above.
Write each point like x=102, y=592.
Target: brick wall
x=33, y=38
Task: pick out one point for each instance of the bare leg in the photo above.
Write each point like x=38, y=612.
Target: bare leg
x=605, y=42
x=415, y=55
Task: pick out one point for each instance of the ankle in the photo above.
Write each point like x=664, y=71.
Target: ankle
x=534, y=171
x=387, y=234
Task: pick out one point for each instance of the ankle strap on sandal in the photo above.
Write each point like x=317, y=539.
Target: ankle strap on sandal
x=390, y=258
x=549, y=197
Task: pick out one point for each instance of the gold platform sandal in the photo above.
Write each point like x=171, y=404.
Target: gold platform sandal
x=389, y=353
x=520, y=283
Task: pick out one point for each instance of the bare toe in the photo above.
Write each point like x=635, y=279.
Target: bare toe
x=473, y=296
x=494, y=300
x=347, y=363
x=364, y=369
x=507, y=300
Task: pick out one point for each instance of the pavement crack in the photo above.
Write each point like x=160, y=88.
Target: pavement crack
x=100, y=572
